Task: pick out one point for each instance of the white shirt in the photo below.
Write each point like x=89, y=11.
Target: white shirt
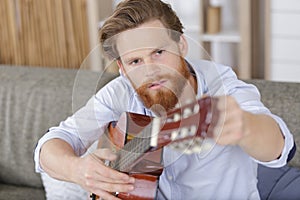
x=225, y=172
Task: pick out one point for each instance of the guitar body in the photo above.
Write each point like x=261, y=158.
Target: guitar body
x=145, y=188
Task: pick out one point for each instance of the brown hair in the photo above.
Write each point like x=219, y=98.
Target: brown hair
x=130, y=14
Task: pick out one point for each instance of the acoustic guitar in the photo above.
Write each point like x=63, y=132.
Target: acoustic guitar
x=138, y=142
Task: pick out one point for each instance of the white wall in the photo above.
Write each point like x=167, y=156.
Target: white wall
x=284, y=40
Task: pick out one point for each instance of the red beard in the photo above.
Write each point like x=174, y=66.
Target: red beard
x=164, y=97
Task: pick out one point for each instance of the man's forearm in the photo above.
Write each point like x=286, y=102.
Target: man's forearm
x=263, y=138
x=57, y=158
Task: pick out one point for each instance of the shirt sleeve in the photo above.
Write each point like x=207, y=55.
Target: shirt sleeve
x=248, y=96
x=288, y=145
x=221, y=80
x=87, y=124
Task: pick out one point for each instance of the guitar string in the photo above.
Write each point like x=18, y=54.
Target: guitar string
x=127, y=157
x=138, y=142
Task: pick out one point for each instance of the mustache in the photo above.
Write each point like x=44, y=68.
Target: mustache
x=156, y=80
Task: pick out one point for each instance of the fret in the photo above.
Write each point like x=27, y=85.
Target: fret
x=133, y=150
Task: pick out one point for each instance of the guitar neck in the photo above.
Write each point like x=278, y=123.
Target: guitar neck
x=135, y=149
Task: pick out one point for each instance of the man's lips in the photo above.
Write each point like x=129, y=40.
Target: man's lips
x=157, y=84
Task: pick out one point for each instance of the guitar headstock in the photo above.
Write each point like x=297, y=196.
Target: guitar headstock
x=184, y=128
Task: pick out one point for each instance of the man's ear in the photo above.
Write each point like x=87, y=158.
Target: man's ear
x=120, y=65
x=183, y=46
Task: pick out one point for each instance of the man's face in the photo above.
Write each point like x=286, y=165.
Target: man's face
x=153, y=63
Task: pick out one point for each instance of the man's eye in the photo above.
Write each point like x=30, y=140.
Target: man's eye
x=134, y=62
x=159, y=52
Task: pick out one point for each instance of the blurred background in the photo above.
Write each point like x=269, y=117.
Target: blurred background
x=257, y=38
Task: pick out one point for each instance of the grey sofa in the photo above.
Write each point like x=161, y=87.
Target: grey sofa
x=33, y=99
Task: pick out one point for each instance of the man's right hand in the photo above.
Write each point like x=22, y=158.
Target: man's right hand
x=57, y=158
x=93, y=175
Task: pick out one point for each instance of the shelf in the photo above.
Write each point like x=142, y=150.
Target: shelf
x=228, y=36
x=231, y=44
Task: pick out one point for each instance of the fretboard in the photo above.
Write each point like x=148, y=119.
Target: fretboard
x=133, y=150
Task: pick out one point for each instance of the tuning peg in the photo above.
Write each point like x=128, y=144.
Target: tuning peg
x=187, y=112
x=176, y=117
x=184, y=132
x=196, y=108
x=174, y=135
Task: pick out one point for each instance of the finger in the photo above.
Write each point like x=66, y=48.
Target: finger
x=108, y=174
x=105, y=154
x=225, y=103
x=217, y=111
x=110, y=187
x=113, y=176
x=217, y=123
x=105, y=195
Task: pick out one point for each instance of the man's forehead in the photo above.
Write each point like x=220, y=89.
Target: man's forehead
x=142, y=38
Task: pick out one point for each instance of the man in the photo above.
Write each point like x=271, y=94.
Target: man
x=146, y=38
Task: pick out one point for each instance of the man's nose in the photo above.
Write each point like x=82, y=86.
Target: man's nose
x=151, y=67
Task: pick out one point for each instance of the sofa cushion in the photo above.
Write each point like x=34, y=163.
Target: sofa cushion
x=20, y=193
x=283, y=99
x=33, y=99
